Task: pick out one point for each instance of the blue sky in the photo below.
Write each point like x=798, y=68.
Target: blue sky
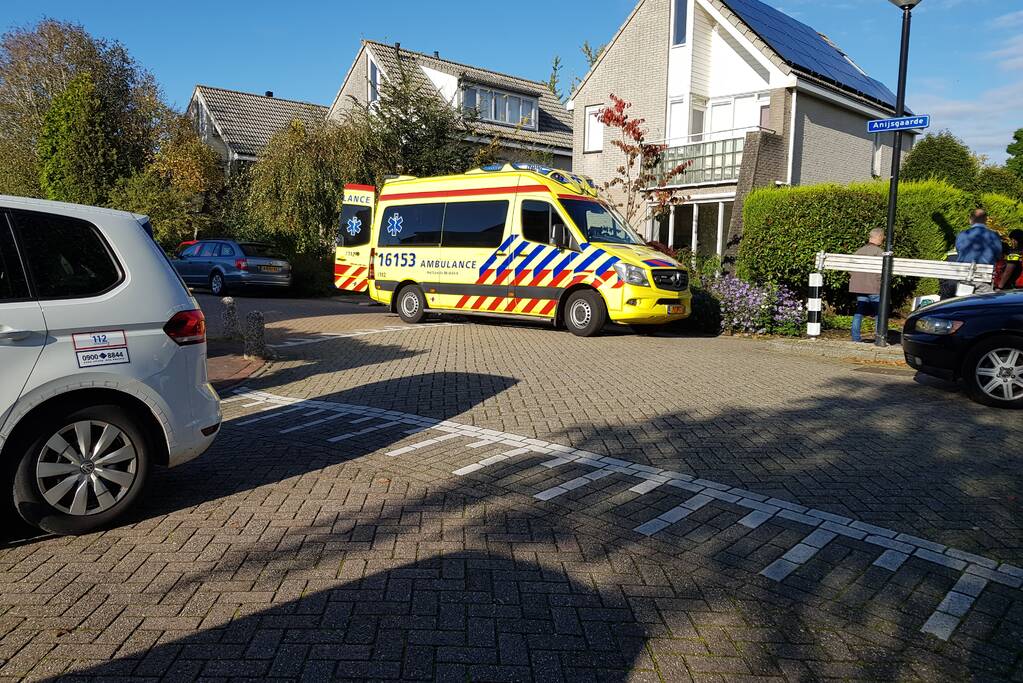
x=966, y=67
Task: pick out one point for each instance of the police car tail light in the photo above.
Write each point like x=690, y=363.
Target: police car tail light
x=187, y=327
x=371, y=273
x=241, y=264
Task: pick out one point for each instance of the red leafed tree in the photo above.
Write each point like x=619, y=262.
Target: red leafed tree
x=641, y=170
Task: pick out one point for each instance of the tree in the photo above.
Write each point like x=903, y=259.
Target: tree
x=37, y=64
x=79, y=159
x=1015, y=149
x=942, y=156
x=180, y=190
x=554, y=80
x=1000, y=180
x=591, y=53
x=297, y=187
x=642, y=168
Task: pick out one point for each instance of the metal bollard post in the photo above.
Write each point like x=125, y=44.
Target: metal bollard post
x=255, y=335
x=229, y=318
x=813, y=305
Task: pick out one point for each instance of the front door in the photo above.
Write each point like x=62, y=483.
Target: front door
x=22, y=328
x=352, y=256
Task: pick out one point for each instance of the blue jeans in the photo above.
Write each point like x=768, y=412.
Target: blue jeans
x=866, y=304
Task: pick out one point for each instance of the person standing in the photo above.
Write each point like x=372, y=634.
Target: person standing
x=1011, y=276
x=866, y=286
x=979, y=244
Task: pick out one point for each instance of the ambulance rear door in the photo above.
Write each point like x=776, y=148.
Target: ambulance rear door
x=354, y=249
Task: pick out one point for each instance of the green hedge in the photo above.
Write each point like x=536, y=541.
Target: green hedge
x=784, y=228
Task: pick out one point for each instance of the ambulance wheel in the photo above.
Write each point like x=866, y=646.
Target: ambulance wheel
x=411, y=304
x=585, y=313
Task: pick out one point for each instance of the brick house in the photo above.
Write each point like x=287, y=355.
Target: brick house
x=238, y=125
x=532, y=124
x=750, y=96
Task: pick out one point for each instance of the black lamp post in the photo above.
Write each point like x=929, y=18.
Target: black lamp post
x=893, y=193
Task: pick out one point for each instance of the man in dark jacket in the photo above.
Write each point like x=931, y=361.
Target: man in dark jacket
x=867, y=286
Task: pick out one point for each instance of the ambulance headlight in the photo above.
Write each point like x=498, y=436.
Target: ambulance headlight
x=633, y=275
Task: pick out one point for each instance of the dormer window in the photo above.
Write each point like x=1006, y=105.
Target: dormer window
x=498, y=106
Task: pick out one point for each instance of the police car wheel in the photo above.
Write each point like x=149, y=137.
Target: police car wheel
x=411, y=304
x=993, y=372
x=80, y=469
x=585, y=314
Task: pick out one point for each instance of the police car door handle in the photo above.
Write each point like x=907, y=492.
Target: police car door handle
x=11, y=334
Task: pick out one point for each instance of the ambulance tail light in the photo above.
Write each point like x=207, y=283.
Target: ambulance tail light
x=371, y=273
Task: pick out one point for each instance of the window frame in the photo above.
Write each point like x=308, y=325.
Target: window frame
x=684, y=4
x=372, y=85
x=8, y=226
x=590, y=114
x=497, y=94
x=30, y=273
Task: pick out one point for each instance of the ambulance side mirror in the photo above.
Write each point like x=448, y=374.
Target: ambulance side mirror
x=559, y=236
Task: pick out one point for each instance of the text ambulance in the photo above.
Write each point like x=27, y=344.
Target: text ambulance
x=508, y=240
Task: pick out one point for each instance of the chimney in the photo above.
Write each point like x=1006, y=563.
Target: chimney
x=436, y=54
x=397, y=45
x=269, y=93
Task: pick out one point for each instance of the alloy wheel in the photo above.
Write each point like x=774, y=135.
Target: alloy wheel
x=1000, y=374
x=86, y=467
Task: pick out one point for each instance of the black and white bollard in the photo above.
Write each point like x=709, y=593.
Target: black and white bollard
x=813, y=305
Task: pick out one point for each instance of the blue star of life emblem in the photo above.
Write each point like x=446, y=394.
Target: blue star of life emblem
x=394, y=224
x=354, y=226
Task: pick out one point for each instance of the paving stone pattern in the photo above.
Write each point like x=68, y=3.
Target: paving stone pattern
x=364, y=516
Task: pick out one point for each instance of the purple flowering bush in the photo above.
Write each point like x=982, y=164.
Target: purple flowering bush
x=749, y=308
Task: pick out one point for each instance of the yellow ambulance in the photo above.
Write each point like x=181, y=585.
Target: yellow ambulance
x=506, y=240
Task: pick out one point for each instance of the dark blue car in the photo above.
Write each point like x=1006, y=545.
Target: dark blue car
x=975, y=340
x=223, y=264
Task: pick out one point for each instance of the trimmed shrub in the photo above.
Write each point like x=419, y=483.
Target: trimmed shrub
x=1000, y=180
x=1006, y=214
x=784, y=228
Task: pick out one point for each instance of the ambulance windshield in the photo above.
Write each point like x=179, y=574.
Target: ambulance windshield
x=599, y=222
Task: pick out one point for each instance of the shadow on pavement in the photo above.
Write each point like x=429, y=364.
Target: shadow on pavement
x=458, y=616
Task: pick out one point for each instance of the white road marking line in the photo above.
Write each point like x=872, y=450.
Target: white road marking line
x=313, y=423
x=268, y=416
x=367, y=430
x=898, y=547
x=328, y=336
x=422, y=444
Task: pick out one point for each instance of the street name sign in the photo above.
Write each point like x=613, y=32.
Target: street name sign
x=901, y=123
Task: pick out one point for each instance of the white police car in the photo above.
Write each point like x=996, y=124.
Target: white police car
x=103, y=357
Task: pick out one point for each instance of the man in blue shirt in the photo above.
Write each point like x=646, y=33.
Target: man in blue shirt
x=979, y=244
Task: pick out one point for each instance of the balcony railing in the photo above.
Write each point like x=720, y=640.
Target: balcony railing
x=714, y=157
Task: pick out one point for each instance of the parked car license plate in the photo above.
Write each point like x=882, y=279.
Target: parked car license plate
x=676, y=310
x=271, y=269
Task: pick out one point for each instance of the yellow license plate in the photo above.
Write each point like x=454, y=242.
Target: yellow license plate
x=676, y=310
x=271, y=269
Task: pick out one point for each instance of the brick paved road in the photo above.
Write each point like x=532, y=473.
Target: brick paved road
x=489, y=502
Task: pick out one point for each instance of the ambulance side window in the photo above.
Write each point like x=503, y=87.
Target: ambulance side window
x=475, y=224
x=536, y=221
x=411, y=225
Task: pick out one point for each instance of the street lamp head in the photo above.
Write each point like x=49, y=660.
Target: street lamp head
x=903, y=4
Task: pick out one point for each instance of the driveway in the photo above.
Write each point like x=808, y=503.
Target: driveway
x=473, y=500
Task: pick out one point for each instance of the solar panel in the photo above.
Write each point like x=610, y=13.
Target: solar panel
x=803, y=47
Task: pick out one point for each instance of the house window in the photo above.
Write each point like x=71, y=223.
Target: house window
x=593, y=129
x=374, y=82
x=681, y=15
x=696, y=119
x=502, y=107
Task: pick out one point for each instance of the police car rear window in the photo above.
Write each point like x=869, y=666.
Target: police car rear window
x=66, y=257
